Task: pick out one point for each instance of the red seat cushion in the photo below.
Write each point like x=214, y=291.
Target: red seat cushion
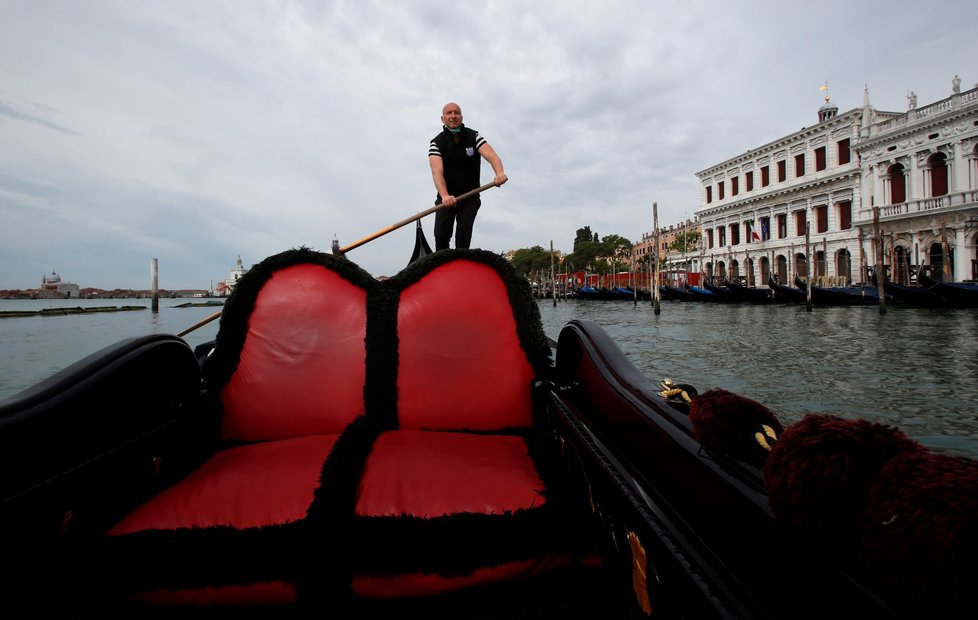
x=302, y=366
x=461, y=366
x=433, y=474
x=268, y=483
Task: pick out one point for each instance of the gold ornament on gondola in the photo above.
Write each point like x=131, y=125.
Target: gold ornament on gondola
x=639, y=577
x=766, y=438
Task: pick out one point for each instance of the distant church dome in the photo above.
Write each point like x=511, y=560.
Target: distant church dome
x=54, y=278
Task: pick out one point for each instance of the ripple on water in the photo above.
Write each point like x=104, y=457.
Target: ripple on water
x=914, y=368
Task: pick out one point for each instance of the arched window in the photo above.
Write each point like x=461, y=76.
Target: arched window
x=938, y=174
x=801, y=265
x=820, y=267
x=765, y=270
x=843, y=266
x=734, y=269
x=941, y=259
x=898, y=184
x=782, y=269
x=901, y=265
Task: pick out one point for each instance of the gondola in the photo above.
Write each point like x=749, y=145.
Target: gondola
x=706, y=295
x=959, y=294
x=722, y=290
x=749, y=293
x=676, y=293
x=842, y=295
x=589, y=292
x=418, y=446
x=923, y=296
x=785, y=293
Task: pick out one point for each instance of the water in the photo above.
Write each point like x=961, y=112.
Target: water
x=914, y=368
x=35, y=347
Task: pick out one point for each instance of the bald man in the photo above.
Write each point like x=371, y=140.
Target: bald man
x=455, y=156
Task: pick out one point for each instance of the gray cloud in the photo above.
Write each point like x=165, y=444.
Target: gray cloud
x=18, y=115
x=195, y=132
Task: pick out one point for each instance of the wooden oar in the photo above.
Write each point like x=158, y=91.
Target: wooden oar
x=356, y=244
x=406, y=221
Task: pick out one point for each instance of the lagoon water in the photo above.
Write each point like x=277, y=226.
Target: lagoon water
x=915, y=368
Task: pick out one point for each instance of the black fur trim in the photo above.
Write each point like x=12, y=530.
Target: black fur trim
x=329, y=521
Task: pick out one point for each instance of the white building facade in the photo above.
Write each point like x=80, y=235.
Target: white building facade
x=815, y=194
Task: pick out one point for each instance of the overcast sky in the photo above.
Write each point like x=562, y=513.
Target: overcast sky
x=197, y=131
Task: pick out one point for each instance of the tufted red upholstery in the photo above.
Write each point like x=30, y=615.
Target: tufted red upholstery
x=347, y=463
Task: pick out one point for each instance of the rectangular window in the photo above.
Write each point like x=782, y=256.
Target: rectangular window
x=765, y=228
x=720, y=190
x=800, y=220
x=709, y=194
x=820, y=159
x=845, y=215
x=765, y=176
x=734, y=186
x=782, y=226
x=782, y=171
x=844, y=154
x=722, y=234
x=800, y=165
x=822, y=219
x=749, y=181
x=735, y=234
x=709, y=238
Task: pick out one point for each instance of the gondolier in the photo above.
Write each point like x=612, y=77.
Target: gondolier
x=455, y=156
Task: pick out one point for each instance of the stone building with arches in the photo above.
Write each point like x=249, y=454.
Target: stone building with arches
x=854, y=188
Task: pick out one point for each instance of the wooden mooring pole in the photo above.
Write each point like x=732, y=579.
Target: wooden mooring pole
x=808, y=265
x=655, y=257
x=553, y=276
x=878, y=241
x=154, y=277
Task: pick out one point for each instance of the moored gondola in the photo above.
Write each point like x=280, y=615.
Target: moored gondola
x=676, y=293
x=960, y=294
x=842, y=295
x=924, y=296
x=785, y=293
x=749, y=293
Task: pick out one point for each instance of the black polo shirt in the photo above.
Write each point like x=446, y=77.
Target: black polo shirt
x=461, y=160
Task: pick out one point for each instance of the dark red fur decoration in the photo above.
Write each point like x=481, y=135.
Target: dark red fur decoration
x=882, y=503
x=728, y=423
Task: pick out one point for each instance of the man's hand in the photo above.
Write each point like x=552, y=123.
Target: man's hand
x=449, y=201
x=500, y=179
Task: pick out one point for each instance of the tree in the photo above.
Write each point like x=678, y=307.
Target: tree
x=612, y=253
x=584, y=235
x=528, y=261
x=585, y=255
x=686, y=241
x=618, y=251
